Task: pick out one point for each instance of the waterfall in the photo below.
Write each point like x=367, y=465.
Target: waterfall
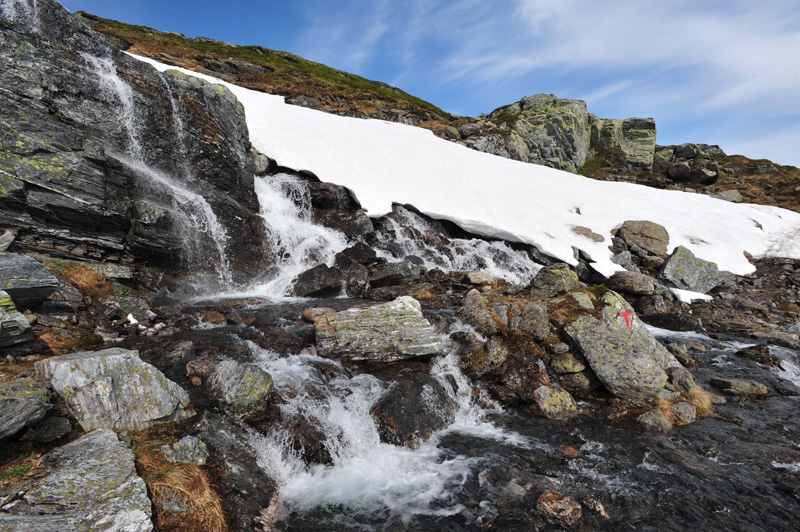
x=24, y=12
x=409, y=231
x=295, y=242
x=192, y=213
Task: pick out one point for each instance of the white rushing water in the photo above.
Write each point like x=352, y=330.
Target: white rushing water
x=496, y=258
x=366, y=477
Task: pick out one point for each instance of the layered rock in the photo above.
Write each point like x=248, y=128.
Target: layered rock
x=74, y=179
x=114, y=388
x=14, y=326
x=22, y=402
x=90, y=484
x=391, y=331
x=25, y=280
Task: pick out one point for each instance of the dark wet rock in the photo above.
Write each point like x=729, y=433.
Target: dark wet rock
x=675, y=321
x=358, y=253
x=15, y=328
x=89, y=484
x=25, y=280
x=655, y=420
x=22, y=403
x=243, y=389
x=647, y=235
x=555, y=280
x=390, y=331
x=319, y=281
x=245, y=489
x=631, y=282
x=626, y=358
x=558, y=508
x=741, y=387
x=357, y=280
x=554, y=403
x=685, y=271
x=760, y=353
x=114, y=388
x=335, y=206
x=395, y=273
x=412, y=410
x=189, y=450
x=647, y=306
x=52, y=428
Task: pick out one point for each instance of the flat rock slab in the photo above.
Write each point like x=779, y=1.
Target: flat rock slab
x=91, y=484
x=114, y=388
x=22, y=402
x=387, y=332
x=26, y=280
x=626, y=358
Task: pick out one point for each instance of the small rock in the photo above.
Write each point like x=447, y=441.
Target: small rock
x=567, y=363
x=732, y=195
x=555, y=280
x=631, y=282
x=655, y=420
x=682, y=379
x=685, y=271
x=244, y=389
x=558, y=508
x=646, y=235
x=311, y=314
x=554, y=403
x=6, y=239
x=213, y=317
x=189, y=450
x=760, y=353
x=684, y=413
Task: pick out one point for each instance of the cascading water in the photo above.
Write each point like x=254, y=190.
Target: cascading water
x=410, y=231
x=193, y=215
x=295, y=242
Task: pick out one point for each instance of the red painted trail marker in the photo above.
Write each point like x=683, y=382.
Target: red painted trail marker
x=627, y=315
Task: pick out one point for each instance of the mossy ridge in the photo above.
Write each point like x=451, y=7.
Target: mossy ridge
x=288, y=70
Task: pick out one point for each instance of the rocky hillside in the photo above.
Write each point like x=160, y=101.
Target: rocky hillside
x=144, y=385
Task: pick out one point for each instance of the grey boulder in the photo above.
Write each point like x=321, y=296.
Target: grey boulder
x=114, y=388
x=25, y=280
x=685, y=271
x=22, y=402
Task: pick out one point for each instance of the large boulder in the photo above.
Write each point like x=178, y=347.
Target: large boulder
x=555, y=280
x=626, y=358
x=647, y=235
x=14, y=326
x=90, y=484
x=630, y=142
x=685, y=271
x=391, y=331
x=114, y=388
x=25, y=280
x=22, y=402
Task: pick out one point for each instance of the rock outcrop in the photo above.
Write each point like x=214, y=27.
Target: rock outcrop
x=629, y=143
x=90, y=484
x=115, y=389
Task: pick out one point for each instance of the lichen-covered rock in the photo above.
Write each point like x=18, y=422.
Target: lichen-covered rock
x=647, y=235
x=25, y=280
x=554, y=403
x=90, y=484
x=533, y=320
x=189, y=450
x=626, y=358
x=386, y=332
x=22, y=402
x=476, y=312
x=549, y=131
x=14, y=326
x=630, y=142
x=684, y=413
x=412, y=410
x=555, y=280
x=685, y=271
x=655, y=420
x=243, y=389
x=114, y=388
x=742, y=387
x=567, y=363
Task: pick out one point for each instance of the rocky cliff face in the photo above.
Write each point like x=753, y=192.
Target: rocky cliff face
x=98, y=151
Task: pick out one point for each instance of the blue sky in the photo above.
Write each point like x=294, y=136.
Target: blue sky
x=721, y=72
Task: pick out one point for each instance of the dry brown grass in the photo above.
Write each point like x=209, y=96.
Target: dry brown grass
x=665, y=407
x=701, y=400
x=189, y=481
x=90, y=283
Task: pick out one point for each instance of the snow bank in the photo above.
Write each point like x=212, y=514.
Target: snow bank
x=384, y=162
